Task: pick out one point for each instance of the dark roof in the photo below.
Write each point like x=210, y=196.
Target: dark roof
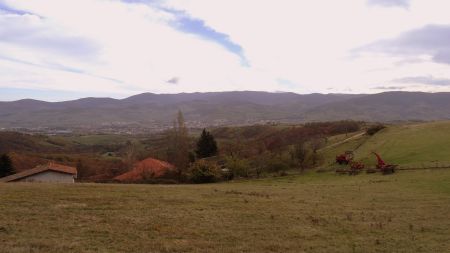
x=39, y=169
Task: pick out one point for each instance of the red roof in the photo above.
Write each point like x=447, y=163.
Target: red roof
x=149, y=167
x=39, y=169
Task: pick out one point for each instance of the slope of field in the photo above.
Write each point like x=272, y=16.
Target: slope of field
x=411, y=146
x=316, y=212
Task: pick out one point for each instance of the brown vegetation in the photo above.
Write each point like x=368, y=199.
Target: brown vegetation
x=253, y=151
x=145, y=170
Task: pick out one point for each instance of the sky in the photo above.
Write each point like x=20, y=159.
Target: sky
x=63, y=49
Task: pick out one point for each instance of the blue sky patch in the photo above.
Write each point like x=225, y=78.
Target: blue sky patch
x=7, y=9
x=187, y=24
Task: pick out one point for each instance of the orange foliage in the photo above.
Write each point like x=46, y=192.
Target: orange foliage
x=148, y=168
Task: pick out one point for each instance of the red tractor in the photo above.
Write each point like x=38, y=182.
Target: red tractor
x=383, y=167
x=345, y=158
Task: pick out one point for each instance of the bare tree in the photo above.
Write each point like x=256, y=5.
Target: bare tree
x=234, y=148
x=317, y=143
x=300, y=154
x=178, y=152
x=130, y=155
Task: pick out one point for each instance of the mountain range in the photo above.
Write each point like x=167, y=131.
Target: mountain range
x=157, y=111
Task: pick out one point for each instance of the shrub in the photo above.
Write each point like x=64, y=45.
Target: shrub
x=375, y=129
x=238, y=167
x=276, y=165
x=204, y=172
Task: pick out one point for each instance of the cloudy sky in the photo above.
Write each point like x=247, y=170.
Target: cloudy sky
x=66, y=49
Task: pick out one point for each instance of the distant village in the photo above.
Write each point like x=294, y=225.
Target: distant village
x=125, y=128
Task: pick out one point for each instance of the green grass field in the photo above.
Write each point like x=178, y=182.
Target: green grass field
x=411, y=146
x=314, y=212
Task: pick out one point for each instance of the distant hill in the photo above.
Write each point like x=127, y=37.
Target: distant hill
x=157, y=111
x=388, y=106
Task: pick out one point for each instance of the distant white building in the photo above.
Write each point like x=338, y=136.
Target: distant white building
x=49, y=173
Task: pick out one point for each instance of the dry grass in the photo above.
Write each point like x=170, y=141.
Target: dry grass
x=405, y=212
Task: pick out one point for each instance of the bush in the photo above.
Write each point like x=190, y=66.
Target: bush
x=375, y=129
x=238, y=167
x=276, y=165
x=202, y=172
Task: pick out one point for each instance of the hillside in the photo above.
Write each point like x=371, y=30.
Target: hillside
x=410, y=145
x=418, y=145
x=389, y=106
x=156, y=111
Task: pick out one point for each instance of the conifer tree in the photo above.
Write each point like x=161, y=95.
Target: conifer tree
x=206, y=145
x=6, y=166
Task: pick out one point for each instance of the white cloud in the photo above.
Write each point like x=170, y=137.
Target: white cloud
x=309, y=42
x=114, y=46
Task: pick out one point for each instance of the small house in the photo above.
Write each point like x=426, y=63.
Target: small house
x=49, y=173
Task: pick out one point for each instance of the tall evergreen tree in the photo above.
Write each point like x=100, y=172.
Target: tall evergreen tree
x=206, y=145
x=6, y=166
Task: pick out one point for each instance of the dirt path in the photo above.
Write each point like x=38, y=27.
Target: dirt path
x=344, y=141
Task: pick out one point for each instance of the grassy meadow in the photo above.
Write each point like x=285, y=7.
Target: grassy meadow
x=313, y=212
x=421, y=145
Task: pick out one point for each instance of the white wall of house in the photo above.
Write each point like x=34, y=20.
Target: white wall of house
x=49, y=177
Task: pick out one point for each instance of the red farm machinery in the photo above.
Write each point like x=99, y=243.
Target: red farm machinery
x=345, y=158
x=383, y=166
x=355, y=167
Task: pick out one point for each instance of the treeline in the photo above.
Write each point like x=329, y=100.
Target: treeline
x=215, y=154
x=251, y=151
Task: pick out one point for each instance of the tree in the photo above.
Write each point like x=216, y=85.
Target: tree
x=317, y=143
x=130, y=154
x=234, y=148
x=300, y=154
x=206, y=145
x=6, y=166
x=178, y=151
